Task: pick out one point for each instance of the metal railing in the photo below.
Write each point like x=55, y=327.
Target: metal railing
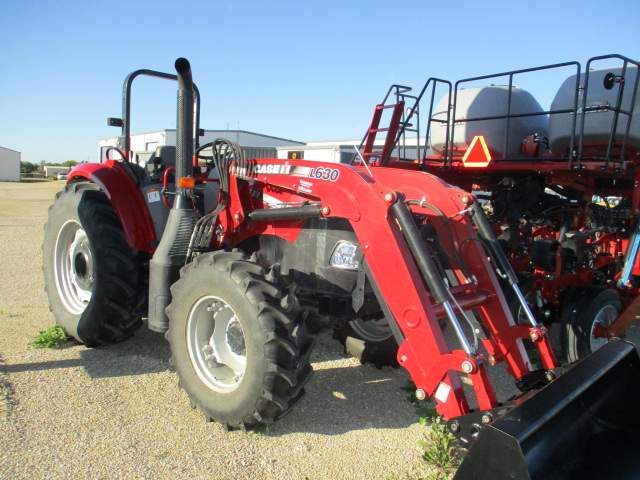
x=614, y=151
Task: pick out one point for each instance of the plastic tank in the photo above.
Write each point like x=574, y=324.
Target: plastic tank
x=598, y=122
x=489, y=101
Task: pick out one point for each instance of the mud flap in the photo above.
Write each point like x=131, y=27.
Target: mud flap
x=585, y=424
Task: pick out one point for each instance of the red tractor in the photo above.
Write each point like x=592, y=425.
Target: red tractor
x=230, y=255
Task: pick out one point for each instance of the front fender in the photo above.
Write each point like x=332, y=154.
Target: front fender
x=125, y=197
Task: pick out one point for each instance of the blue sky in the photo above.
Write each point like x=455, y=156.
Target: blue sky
x=305, y=70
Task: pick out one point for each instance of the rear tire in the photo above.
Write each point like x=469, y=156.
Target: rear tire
x=238, y=344
x=587, y=311
x=90, y=272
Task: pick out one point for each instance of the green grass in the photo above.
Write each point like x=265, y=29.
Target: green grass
x=49, y=338
x=261, y=431
x=440, y=447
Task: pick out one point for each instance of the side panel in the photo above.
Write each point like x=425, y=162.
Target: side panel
x=125, y=197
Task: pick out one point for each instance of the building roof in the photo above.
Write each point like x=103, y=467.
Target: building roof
x=227, y=132
x=15, y=151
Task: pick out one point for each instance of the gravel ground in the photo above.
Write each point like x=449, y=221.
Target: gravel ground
x=117, y=412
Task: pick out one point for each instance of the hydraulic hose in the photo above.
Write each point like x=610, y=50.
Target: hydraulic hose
x=486, y=233
x=423, y=259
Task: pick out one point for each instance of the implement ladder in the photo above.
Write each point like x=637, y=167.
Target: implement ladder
x=398, y=120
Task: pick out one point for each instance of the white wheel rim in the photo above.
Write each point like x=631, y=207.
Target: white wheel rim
x=74, y=267
x=603, y=319
x=216, y=344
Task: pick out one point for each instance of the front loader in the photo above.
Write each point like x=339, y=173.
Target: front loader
x=230, y=256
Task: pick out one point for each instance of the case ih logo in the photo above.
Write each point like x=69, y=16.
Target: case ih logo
x=319, y=173
x=273, y=169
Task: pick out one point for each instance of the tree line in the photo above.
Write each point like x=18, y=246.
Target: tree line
x=28, y=167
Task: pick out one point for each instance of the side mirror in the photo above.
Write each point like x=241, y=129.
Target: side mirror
x=115, y=122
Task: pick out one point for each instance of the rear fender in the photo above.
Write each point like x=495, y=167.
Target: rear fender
x=125, y=197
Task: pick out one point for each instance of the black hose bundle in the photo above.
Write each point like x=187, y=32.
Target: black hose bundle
x=228, y=159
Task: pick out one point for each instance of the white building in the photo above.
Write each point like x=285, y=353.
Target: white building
x=53, y=170
x=256, y=145
x=343, y=151
x=9, y=165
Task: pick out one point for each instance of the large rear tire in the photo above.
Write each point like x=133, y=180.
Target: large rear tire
x=238, y=344
x=90, y=272
x=586, y=313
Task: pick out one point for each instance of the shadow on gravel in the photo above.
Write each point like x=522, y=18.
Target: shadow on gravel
x=146, y=352
x=341, y=400
x=342, y=395
x=52, y=365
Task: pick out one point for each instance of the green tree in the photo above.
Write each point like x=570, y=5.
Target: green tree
x=69, y=163
x=28, y=167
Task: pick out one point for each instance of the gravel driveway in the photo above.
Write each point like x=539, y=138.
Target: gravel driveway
x=117, y=412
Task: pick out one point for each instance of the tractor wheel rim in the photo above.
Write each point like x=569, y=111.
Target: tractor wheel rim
x=603, y=319
x=372, y=330
x=74, y=267
x=216, y=344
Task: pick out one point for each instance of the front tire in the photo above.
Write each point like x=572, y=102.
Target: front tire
x=90, y=271
x=587, y=312
x=238, y=344
x=369, y=341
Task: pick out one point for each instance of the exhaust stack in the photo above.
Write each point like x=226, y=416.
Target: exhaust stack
x=184, y=124
x=164, y=268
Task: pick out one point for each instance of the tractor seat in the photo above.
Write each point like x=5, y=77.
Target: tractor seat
x=164, y=157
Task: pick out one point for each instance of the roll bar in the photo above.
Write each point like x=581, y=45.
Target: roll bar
x=125, y=121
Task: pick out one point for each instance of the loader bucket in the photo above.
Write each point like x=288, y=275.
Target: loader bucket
x=583, y=425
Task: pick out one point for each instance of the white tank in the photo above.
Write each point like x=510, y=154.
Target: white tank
x=598, y=123
x=489, y=102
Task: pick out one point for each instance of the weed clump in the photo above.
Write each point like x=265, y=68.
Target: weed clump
x=49, y=338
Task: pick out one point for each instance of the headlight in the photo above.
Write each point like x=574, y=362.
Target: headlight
x=344, y=256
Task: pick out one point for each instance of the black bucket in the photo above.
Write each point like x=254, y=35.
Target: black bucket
x=583, y=425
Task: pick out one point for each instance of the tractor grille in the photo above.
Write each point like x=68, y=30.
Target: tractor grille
x=183, y=236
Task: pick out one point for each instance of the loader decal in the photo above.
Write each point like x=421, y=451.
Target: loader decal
x=324, y=173
x=273, y=169
x=319, y=173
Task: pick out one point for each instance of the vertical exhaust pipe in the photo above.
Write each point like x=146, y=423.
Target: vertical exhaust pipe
x=184, y=128
x=164, y=268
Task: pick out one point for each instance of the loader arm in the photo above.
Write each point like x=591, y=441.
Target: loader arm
x=412, y=306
